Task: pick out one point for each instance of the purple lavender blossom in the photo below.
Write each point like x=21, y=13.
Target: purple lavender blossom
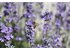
x=6, y=12
x=18, y=38
x=16, y=28
x=58, y=22
x=9, y=19
x=7, y=5
x=4, y=29
x=61, y=6
x=47, y=16
x=10, y=30
x=29, y=22
x=1, y=39
x=46, y=26
x=9, y=37
x=56, y=43
x=68, y=26
x=30, y=34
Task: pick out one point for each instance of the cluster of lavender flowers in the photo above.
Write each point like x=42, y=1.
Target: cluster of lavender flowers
x=52, y=29
x=8, y=25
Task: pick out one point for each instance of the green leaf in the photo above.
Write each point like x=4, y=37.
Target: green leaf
x=26, y=44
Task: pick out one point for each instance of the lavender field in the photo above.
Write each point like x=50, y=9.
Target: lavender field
x=34, y=25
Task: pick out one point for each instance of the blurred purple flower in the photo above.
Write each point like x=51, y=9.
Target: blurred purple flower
x=10, y=29
x=15, y=19
x=68, y=26
x=19, y=39
x=29, y=22
x=4, y=29
x=17, y=28
x=7, y=44
x=7, y=5
x=58, y=22
x=46, y=27
x=9, y=19
x=61, y=6
x=9, y=37
x=1, y=39
x=47, y=16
